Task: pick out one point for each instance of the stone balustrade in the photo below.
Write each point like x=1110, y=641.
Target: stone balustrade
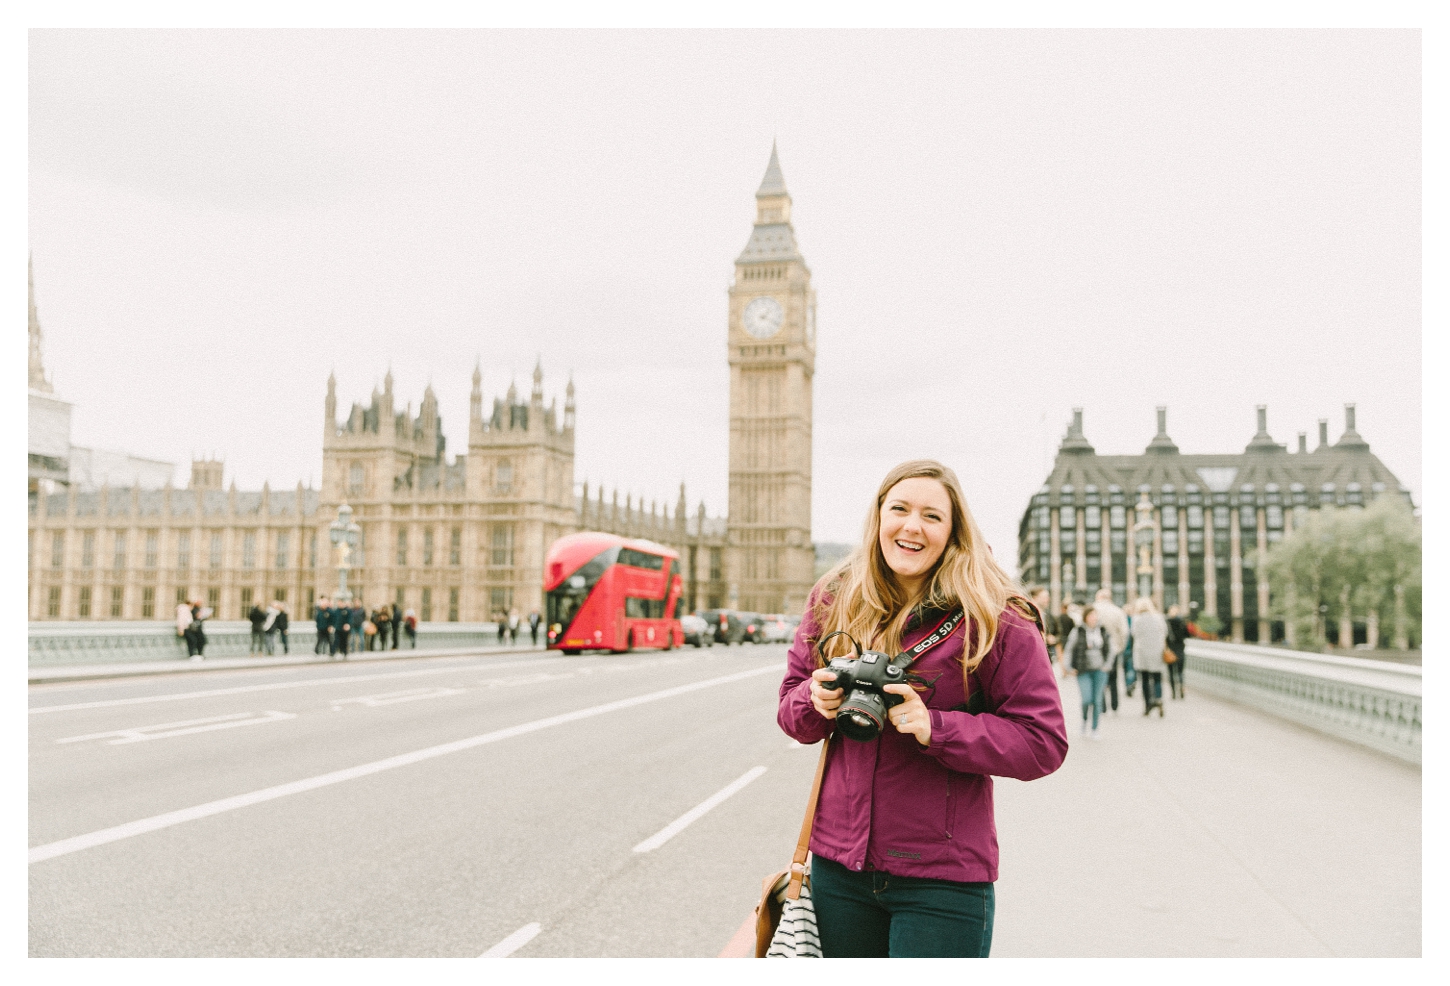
x=1372, y=703
x=97, y=642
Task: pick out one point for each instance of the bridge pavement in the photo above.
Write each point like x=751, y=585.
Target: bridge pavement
x=1215, y=831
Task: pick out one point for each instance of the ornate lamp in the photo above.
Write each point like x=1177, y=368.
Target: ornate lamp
x=344, y=535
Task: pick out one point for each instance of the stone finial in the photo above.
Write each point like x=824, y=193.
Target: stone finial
x=1161, y=442
x=1075, y=441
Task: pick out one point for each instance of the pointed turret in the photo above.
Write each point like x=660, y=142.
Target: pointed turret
x=1075, y=441
x=1350, y=439
x=475, y=396
x=1161, y=442
x=569, y=405
x=772, y=238
x=774, y=182
x=536, y=396
x=329, y=413
x=1262, y=441
x=37, y=366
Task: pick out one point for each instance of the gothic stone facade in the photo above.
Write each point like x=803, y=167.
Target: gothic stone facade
x=772, y=345
x=1188, y=529
x=456, y=540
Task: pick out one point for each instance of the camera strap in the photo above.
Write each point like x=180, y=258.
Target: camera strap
x=943, y=630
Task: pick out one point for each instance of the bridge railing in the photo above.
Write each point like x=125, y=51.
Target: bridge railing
x=1373, y=703
x=119, y=642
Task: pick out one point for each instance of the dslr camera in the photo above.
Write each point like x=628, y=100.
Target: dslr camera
x=862, y=713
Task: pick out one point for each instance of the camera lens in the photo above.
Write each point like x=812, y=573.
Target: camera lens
x=860, y=716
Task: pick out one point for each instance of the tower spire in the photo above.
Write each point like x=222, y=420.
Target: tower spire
x=774, y=182
x=37, y=367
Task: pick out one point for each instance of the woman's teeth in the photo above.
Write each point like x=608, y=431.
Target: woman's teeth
x=907, y=546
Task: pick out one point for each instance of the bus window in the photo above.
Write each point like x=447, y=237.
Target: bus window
x=639, y=559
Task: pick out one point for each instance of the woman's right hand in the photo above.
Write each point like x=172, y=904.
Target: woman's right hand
x=825, y=699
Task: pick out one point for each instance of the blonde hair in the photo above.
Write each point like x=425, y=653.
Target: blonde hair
x=862, y=596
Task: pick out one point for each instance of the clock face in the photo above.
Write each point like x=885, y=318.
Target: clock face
x=762, y=317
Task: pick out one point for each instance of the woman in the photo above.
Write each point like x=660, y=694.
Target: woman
x=904, y=843
x=1150, y=637
x=1089, y=653
x=410, y=624
x=1177, y=641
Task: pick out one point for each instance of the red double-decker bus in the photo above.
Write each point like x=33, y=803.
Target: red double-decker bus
x=604, y=592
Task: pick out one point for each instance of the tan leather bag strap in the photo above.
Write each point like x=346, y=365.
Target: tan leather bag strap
x=803, y=845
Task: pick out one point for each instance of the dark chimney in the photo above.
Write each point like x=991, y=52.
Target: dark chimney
x=1323, y=433
x=1263, y=418
x=1303, y=442
x=1349, y=417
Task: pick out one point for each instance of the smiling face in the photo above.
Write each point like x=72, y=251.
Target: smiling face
x=916, y=524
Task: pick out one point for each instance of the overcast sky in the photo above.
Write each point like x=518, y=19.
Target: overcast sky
x=1001, y=225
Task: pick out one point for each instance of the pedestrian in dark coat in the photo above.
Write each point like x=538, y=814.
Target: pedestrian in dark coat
x=258, y=616
x=1177, y=643
x=341, y=628
x=281, y=626
x=356, y=617
x=323, y=618
x=397, y=623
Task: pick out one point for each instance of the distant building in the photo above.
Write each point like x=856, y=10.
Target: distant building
x=1188, y=529
x=53, y=461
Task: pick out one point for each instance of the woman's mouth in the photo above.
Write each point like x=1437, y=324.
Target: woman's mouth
x=909, y=546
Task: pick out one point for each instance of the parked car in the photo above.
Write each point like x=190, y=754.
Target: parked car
x=779, y=630
x=697, y=631
x=728, y=624
x=754, y=627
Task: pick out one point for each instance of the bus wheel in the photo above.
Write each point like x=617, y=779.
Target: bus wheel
x=568, y=652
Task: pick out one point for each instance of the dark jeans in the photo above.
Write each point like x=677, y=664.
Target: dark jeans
x=257, y=645
x=283, y=635
x=1175, y=677
x=324, y=641
x=339, y=640
x=877, y=915
x=1112, y=685
x=397, y=629
x=1152, y=689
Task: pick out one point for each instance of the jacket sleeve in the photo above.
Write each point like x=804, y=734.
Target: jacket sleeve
x=795, y=714
x=1025, y=737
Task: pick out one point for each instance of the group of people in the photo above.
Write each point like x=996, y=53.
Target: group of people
x=349, y=626
x=190, y=616
x=1094, y=641
x=267, y=625
x=509, y=624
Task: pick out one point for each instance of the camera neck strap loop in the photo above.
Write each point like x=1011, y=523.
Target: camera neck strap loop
x=944, y=630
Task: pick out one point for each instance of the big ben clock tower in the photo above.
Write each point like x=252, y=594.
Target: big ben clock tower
x=770, y=562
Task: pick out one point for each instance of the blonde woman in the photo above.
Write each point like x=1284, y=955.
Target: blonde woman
x=1150, y=637
x=904, y=846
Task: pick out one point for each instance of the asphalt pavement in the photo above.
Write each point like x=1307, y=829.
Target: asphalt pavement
x=628, y=805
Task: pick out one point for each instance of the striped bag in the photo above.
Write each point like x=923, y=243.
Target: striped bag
x=785, y=918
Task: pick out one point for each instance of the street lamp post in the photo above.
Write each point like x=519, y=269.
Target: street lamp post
x=344, y=535
x=1143, y=533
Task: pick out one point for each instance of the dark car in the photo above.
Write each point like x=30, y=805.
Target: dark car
x=728, y=624
x=754, y=627
x=697, y=631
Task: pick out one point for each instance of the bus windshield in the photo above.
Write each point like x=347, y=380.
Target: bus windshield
x=563, y=603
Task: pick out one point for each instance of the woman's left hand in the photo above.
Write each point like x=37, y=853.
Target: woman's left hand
x=911, y=716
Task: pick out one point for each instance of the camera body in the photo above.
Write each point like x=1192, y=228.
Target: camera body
x=862, y=712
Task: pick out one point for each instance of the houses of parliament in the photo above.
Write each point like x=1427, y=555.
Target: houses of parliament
x=110, y=537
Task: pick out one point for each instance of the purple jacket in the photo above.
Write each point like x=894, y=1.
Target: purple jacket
x=894, y=805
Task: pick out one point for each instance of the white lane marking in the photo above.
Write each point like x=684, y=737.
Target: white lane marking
x=117, y=832
x=392, y=698
x=513, y=942
x=240, y=689
x=694, y=814
x=793, y=744
x=140, y=734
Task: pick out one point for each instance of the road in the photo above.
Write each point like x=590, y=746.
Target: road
x=463, y=805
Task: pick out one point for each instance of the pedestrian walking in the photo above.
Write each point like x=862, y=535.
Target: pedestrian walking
x=410, y=624
x=199, y=615
x=514, y=624
x=534, y=627
x=258, y=616
x=904, y=841
x=281, y=625
x=184, y=620
x=397, y=623
x=341, y=627
x=501, y=621
x=323, y=619
x=1115, y=622
x=356, y=617
x=1178, y=644
x=1089, y=648
x=269, y=629
x=1150, y=638
x=1042, y=601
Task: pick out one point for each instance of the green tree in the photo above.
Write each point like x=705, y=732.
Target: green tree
x=1341, y=563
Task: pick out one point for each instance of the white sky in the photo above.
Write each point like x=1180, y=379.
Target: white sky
x=1001, y=225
